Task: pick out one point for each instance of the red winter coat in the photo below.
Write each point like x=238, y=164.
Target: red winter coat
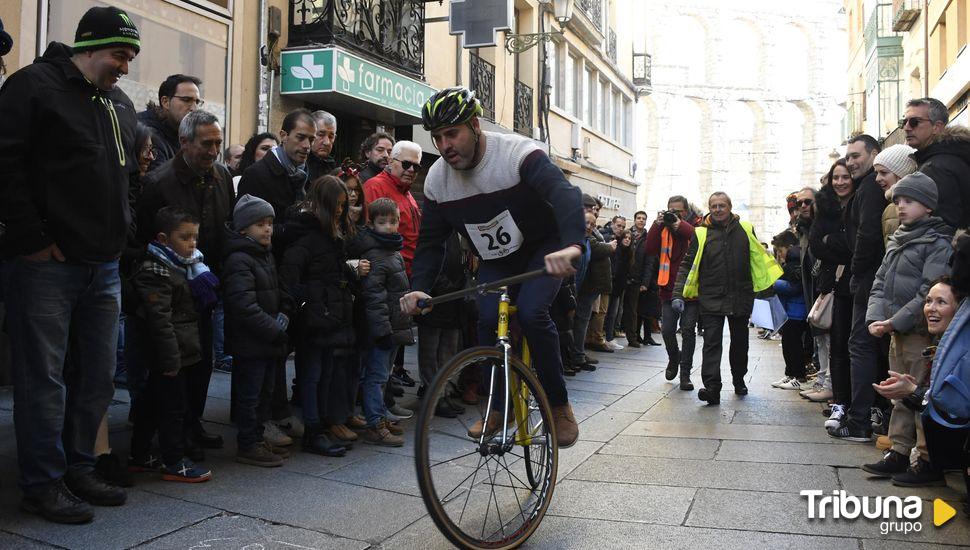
x=685, y=233
x=386, y=185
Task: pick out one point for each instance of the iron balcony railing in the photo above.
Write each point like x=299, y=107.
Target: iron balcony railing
x=879, y=28
x=611, y=46
x=593, y=9
x=523, y=108
x=481, y=80
x=389, y=31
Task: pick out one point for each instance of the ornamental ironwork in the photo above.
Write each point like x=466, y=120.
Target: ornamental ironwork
x=390, y=31
x=611, y=47
x=523, y=108
x=481, y=80
x=593, y=9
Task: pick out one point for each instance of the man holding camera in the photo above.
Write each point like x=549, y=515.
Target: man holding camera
x=668, y=240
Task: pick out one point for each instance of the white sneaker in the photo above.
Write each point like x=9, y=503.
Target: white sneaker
x=784, y=380
x=273, y=435
x=613, y=345
x=292, y=426
x=816, y=387
x=792, y=384
x=835, y=419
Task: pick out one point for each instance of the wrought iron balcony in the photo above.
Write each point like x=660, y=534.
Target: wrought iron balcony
x=389, y=31
x=593, y=10
x=905, y=14
x=523, y=108
x=611, y=47
x=481, y=80
x=879, y=28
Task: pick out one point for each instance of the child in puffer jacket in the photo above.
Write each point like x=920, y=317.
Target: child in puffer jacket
x=388, y=327
x=788, y=288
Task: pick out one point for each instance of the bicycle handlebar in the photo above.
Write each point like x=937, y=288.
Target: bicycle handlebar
x=481, y=289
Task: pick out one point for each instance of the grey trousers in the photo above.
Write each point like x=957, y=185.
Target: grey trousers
x=683, y=356
x=436, y=346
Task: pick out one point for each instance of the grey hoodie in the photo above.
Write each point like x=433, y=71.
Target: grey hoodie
x=916, y=255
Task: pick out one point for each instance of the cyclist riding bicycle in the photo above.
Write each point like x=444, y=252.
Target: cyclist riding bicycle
x=504, y=194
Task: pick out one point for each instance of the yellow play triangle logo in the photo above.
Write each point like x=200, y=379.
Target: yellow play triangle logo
x=942, y=512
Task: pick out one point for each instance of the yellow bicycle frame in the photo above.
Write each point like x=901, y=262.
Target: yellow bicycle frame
x=520, y=392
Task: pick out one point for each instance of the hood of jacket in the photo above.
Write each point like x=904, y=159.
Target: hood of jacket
x=300, y=225
x=149, y=117
x=368, y=239
x=953, y=140
x=237, y=242
x=927, y=229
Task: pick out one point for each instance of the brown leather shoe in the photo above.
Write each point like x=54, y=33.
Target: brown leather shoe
x=567, y=430
x=392, y=427
x=356, y=423
x=494, y=422
x=343, y=433
x=469, y=395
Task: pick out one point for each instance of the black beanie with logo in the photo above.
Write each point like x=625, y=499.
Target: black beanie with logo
x=105, y=27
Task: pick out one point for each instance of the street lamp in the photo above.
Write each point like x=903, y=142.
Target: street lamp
x=562, y=11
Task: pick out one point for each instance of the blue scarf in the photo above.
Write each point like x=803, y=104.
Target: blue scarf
x=202, y=282
x=297, y=174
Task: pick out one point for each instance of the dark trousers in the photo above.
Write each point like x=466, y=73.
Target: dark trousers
x=737, y=353
x=584, y=310
x=948, y=448
x=160, y=408
x=314, y=373
x=436, y=346
x=839, y=350
x=534, y=300
x=631, y=301
x=253, y=377
x=197, y=378
x=616, y=298
x=869, y=365
x=343, y=388
x=669, y=321
x=793, y=348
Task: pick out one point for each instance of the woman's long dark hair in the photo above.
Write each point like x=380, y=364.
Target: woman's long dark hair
x=828, y=177
x=249, y=151
x=142, y=133
x=325, y=193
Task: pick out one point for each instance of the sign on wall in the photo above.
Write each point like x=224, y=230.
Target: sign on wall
x=478, y=21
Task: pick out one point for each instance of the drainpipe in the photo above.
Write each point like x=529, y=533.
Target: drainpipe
x=926, y=50
x=261, y=73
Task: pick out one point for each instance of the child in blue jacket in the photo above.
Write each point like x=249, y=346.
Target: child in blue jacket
x=795, y=331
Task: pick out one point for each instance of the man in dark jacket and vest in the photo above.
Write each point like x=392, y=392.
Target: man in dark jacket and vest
x=177, y=96
x=66, y=217
x=667, y=240
x=724, y=267
x=194, y=181
x=868, y=355
x=943, y=154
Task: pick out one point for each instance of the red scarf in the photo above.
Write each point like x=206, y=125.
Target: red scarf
x=666, y=245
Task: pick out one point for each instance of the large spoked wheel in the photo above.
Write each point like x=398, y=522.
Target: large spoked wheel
x=483, y=492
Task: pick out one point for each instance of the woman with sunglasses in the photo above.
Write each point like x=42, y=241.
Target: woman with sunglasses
x=891, y=165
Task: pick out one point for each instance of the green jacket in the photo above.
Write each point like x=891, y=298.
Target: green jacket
x=172, y=323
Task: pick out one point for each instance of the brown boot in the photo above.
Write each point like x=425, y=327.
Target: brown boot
x=494, y=423
x=567, y=430
x=357, y=423
x=392, y=427
x=343, y=433
x=379, y=435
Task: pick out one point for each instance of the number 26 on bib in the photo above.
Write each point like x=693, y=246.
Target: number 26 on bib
x=496, y=238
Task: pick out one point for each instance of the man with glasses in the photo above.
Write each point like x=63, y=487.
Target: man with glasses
x=178, y=96
x=943, y=154
x=395, y=183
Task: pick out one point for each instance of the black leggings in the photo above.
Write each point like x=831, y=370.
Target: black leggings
x=793, y=348
x=839, y=352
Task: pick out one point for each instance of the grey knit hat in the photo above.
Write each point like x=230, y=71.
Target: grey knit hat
x=249, y=210
x=919, y=187
x=897, y=159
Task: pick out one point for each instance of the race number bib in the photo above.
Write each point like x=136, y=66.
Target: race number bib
x=496, y=238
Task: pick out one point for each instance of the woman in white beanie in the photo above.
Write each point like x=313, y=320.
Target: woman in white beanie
x=891, y=165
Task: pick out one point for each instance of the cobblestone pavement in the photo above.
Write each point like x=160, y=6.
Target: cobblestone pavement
x=654, y=468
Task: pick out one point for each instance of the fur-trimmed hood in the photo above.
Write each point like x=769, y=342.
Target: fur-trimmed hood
x=953, y=140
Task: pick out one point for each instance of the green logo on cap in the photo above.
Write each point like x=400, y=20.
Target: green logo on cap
x=126, y=19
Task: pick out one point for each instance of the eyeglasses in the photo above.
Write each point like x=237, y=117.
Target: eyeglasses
x=805, y=202
x=408, y=165
x=912, y=122
x=189, y=99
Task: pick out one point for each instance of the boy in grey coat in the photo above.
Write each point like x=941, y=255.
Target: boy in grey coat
x=916, y=255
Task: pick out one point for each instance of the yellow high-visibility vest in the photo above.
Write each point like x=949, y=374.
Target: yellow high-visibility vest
x=764, y=269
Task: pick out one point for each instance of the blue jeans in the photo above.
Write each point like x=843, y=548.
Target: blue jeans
x=54, y=308
x=314, y=371
x=533, y=302
x=253, y=377
x=377, y=369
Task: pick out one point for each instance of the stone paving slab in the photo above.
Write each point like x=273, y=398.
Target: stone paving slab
x=573, y=457
x=605, y=425
x=732, y=431
x=799, y=453
x=230, y=532
x=622, y=502
x=637, y=401
x=671, y=410
x=661, y=447
x=705, y=473
x=857, y=482
x=8, y=540
x=601, y=387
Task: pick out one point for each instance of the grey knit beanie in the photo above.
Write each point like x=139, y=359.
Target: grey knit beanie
x=897, y=159
x=919, y=187
x=249, y=210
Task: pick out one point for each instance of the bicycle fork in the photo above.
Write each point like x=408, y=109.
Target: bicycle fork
x=520, y=404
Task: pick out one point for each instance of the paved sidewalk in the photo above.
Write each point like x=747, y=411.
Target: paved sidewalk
x=654, y=468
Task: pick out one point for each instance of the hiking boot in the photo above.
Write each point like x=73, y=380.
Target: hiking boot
x=110, y=468
x=291, y=425
x=380, y=435
x=343, y=433
x=393, y=427
x=147, y=463
x=891, y=463
x=273, y=435
x=567, y=430
x=186, y=471
x=58, y=504
x=259, y=455
x=847, y=433
x=94, y=490
x=921, y=474
x=356, y=423
x=494, y=422
x=686, y=384
x=712, y=398
x=671, y=371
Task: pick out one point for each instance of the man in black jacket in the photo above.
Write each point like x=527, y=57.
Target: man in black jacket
x=869, y=355
x=943, y=154
x=376, y=153
x=638, y=279
x=66, y=216
x=194, y=181
x=321, y=161
x=177, y=96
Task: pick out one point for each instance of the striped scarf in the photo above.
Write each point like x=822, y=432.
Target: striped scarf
x=666, y=245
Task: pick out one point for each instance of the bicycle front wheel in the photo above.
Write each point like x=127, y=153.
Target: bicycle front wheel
x=486, y=490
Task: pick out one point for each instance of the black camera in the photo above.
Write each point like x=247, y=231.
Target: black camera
x=669, y=217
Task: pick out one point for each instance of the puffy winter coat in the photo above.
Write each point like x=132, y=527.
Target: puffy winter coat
x=383, y=287
x=171, y=322
x=829, y=244
x=917, y=255
x=253, y=299
x=947, y=161
x=314, y=271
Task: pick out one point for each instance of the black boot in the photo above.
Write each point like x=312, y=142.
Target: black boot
x=316, y=441
x=58, y=504
x=671, y=371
